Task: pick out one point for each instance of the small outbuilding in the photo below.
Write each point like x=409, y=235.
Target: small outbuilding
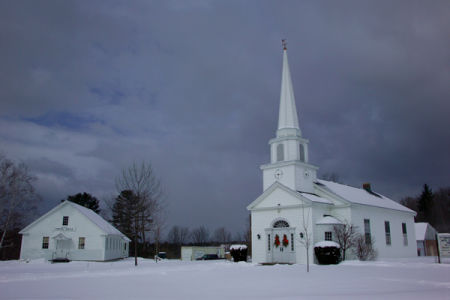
x=73, y=232
x=426, y=239
x=196, y=252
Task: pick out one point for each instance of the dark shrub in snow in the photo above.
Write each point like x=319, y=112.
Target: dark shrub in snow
x=364, y=249
x=327, y=252
x=238, y=252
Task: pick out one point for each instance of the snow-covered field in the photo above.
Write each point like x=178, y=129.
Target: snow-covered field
x=417, y=278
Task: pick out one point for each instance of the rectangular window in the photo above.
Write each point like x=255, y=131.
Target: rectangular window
x=280, y=152
x=45, y=240
x=81, y=241
x=66, y=220
x=367, y=236
x=292, y=242
x=387, y=230
x=268, y=240
x=405, y=235
x=328, y=236
x=125, y=246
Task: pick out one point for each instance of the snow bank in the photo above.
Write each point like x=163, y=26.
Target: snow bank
x=324, y=244
x=419, y=278
x=238, y=247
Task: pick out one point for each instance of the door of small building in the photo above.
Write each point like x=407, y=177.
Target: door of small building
x=62, y=249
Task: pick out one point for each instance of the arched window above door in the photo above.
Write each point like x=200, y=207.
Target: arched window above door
x=280, y=224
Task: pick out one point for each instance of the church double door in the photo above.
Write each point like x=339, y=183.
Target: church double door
x=281, y=245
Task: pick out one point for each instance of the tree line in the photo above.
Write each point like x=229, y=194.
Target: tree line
x=138, y=210
x=18, y=201
x=431, y=207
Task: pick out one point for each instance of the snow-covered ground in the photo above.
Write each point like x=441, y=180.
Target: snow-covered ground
x=419, y=278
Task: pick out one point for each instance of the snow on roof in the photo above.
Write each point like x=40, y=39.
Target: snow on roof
x=238, y=247
x=421, y=230
x=328, y=220
x=315, y=198
x=324, y=244
x=360, y=196
x=98, y=220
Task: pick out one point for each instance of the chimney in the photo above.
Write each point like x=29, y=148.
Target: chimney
x=367, y=187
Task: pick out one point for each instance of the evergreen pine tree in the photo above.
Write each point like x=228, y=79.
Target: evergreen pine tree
x=123, y=212
x=86, y=200
x=425, y=205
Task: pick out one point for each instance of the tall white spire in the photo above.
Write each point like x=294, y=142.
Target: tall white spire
x=287, y=118
x=288, y=150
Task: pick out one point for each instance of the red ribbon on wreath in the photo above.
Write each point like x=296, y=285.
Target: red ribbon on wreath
x=285, y=241
x=277, y=241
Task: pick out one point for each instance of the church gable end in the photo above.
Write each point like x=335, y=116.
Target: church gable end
x=278, y=196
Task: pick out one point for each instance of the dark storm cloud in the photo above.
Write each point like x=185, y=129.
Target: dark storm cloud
x=193, y=87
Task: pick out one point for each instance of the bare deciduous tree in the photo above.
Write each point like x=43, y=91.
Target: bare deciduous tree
x=345, y=235
x=200, y=235
x=306, y=234
x=238, y=237
x=17, y=194
x=178, y=235
x=222, y=236
x=184, y=235
x=363, y=250
x=173, y=237
x=333, y=176
x=159, y=222
x=148, y=195
x=247, y=234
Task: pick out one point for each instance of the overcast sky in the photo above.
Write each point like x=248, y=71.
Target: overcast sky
x=88, y=87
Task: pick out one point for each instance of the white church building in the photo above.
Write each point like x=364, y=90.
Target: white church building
x=72, y=232
x=295, y=204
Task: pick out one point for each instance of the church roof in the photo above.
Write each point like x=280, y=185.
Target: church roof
x=328, y=220
x=288, y=112
x=315, y=198
x=360, y=196
x=301, y=196
x=421, y=231
x=97, y=220
x=105, y=226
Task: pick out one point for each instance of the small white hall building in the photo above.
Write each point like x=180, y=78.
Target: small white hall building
x=295, y=204
x=72, y=232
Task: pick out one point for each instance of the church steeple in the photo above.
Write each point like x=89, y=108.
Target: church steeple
x=287, y=117
x=288, y=150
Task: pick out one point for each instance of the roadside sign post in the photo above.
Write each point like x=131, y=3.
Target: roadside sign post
x=443, y=240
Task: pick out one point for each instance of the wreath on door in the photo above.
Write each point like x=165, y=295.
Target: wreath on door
x=285, y=241
x=277, y=241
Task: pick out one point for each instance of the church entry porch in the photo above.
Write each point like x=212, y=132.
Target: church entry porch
x=62, y=249
x=280, y=243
